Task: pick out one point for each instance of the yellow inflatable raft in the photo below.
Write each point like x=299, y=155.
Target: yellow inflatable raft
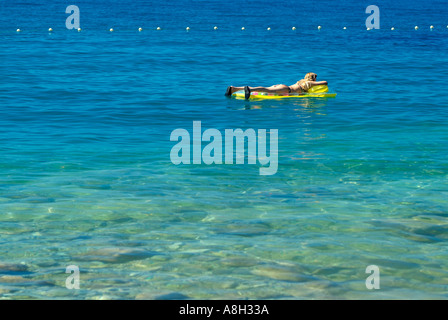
x=314, y=92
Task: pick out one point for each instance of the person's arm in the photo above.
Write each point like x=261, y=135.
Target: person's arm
x=319, y=83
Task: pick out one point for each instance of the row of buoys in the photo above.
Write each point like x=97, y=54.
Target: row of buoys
x=243, y=28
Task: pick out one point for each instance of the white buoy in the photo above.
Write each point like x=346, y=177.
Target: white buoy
x=345, y=28
x=158, y=28
x=18, y=30
x=392, y=28
x=269, y=29
x=140, y=29
x=293, y=28
x=50, y=30
x=319, y=27
x=431, y=27
x=111, y=29
x=188, y=29
x=243, y=28
x=79, y=29
x=416, y=27
x=215, y=28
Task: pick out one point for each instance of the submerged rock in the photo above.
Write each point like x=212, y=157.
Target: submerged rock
x=172, y=296
x=13, y=267
x=245, y=229
x=190, y=215
x=13, y=279
x=161, y=296
x=21, y=281
x=116, y=255
x=6, y=290
x=239, y=262
x=285, y=273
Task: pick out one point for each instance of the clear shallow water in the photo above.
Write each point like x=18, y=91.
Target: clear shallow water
x=86, y=177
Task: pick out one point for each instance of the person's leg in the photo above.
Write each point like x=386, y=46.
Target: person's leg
x=278, y=88
x=235, y=89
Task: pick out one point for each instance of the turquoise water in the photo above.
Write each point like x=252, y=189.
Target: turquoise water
x=86, y=177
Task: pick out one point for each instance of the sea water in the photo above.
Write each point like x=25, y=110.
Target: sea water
x=85, y=171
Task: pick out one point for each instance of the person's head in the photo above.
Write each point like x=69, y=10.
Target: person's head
x=310, y=76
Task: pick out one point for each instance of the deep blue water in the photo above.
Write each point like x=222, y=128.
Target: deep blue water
x=86, y=176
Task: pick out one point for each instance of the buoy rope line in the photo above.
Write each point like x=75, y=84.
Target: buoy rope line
x=140, y=29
